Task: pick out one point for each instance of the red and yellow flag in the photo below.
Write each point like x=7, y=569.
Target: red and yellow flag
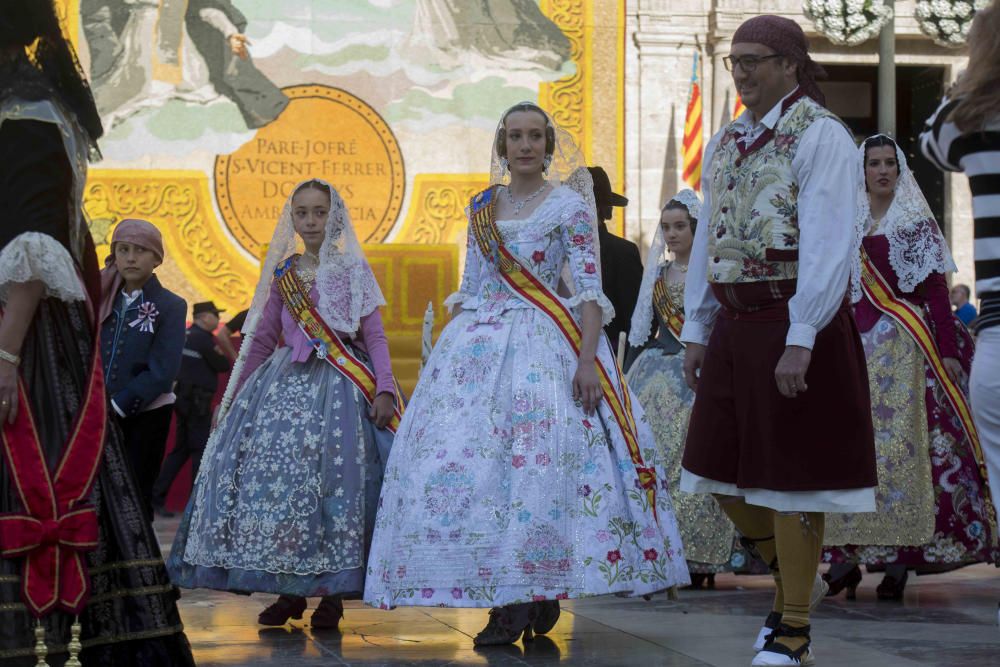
x=693, y=141
x=738, y=108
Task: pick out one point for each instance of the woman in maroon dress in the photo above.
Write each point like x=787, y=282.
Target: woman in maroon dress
x=934, y=511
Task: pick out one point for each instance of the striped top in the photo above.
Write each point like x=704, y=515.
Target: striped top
x=978, y=155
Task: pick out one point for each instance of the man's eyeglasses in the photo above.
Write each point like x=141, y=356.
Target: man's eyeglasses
x=748, y=63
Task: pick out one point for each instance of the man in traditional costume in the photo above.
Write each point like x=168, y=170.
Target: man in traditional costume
x=772, y=351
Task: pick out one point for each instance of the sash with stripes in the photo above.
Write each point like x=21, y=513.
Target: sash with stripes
x=57, y=524
x=909, y=317
x=668, y=312
x=327, y=343
x=526, y=284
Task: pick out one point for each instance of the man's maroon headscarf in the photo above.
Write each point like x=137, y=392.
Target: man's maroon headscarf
x=784, y=36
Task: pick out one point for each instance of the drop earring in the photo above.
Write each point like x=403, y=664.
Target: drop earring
x=504, y=166
x=546, y=164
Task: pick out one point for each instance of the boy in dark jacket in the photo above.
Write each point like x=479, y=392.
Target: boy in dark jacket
x=142, y=335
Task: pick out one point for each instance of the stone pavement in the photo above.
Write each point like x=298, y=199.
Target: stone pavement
x=945, y=620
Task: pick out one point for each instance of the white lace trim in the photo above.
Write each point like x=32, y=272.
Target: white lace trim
x=36, y=256
x=607, y=310
x=916, y=250
x=347, y=287
x=916, y=246
x=543, y=219
x=642, y=316
x=457, y=298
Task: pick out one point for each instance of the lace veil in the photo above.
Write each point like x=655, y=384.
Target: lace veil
x=916, y=246
x=566, y=166
x=346, y=285
x=642, y=316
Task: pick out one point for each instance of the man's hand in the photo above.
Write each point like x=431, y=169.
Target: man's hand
x=238, y=45
x=694, y=359
x=790, y=373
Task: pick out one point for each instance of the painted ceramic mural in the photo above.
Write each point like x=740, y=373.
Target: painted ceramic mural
x=214, y=109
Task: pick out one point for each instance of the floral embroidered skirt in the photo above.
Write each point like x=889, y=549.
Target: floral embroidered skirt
x=501, y=490
x=285, y=501
x=931, y=506
x=657, y=382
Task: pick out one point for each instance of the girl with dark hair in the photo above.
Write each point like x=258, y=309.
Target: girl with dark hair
x=79, y=562
x=657, y=377
x=286, y=496
x=933, y=502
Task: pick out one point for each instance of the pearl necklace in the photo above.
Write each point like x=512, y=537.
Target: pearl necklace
x=518, y=205
x=683, y=268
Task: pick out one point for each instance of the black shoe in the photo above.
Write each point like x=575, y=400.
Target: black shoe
x=849, y=582
x=892, y=588
x=328, y=614
x=284, y=608
x=547, y=613
x=507, y=624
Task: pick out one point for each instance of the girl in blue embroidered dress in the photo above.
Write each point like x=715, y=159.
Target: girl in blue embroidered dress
x=285, y=499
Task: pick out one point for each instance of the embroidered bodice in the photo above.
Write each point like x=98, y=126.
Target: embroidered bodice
x=277, y=327
x=674, y=289
x=931, y=295
x=558, y=233
x=754, y=233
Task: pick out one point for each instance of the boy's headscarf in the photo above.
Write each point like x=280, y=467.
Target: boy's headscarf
x=134, y=231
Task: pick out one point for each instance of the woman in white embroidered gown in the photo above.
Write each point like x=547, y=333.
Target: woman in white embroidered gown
x=510, y=485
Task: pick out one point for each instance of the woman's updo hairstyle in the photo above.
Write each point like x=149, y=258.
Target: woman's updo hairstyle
x=882, y=140
x=313, y=184
x=674, y=205
x=550, y=132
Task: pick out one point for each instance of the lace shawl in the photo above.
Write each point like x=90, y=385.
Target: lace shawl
x=642, y=316
x=916, y=246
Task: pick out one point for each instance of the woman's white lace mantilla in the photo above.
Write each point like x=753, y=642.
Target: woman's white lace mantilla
x=917, y=248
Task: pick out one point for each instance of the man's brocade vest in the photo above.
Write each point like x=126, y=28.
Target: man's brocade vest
x=754, y=232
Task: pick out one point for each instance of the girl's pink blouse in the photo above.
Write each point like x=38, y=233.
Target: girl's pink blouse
x=276, y=323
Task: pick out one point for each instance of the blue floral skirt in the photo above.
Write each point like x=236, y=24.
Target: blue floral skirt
x=286, y=497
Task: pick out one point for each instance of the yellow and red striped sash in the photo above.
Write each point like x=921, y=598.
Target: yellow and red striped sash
x=526, y=284
x=327, y=343
x=668, y=312
x=907, y=316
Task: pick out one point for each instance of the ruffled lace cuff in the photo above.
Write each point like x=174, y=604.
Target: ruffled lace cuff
x=36, y=256
x=607, y=310
x=457, y=298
